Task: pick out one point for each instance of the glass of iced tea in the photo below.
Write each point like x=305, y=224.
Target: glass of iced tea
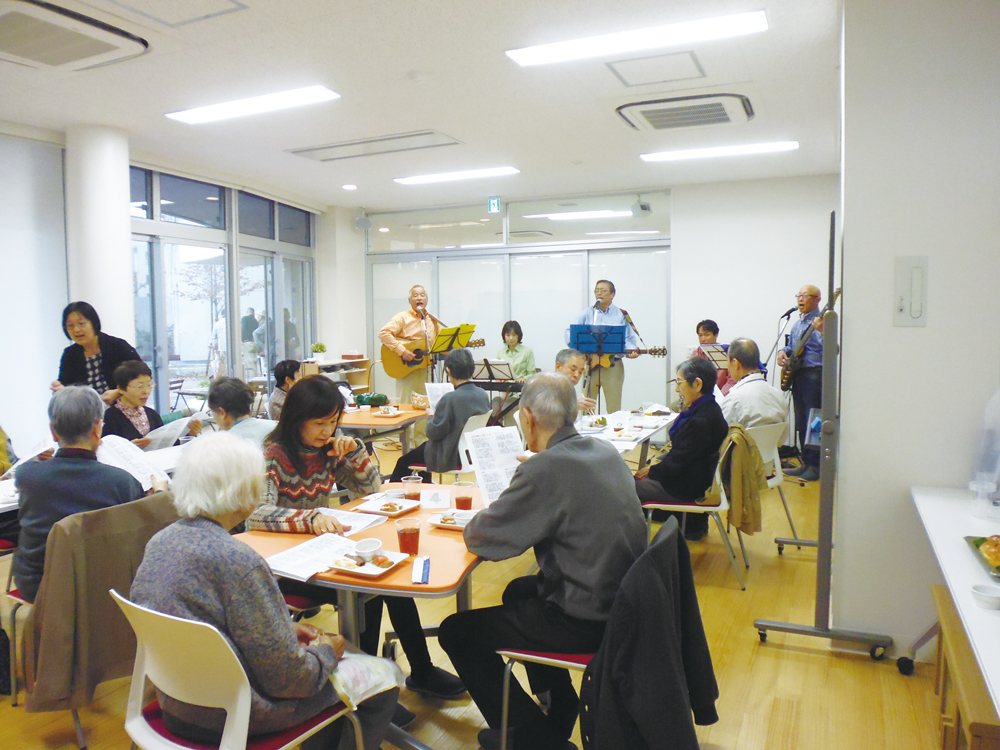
x=411, y=487
x=463, y=496
x=408, y=531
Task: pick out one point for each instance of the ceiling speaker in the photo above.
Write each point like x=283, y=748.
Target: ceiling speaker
x=363, y=223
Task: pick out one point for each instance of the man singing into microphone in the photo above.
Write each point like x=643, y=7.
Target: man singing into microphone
x=415, y=324
x=609, y=379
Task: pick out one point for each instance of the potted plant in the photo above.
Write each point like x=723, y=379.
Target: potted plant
x=318, y=350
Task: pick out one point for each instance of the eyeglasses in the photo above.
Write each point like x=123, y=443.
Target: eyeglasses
x=141, y=387
x=805, y=296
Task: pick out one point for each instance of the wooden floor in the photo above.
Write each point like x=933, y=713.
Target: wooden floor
x=791, y=692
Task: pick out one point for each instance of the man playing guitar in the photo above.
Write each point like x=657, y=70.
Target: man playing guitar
x=807, y=387
x=414, y=324
x=611, y=377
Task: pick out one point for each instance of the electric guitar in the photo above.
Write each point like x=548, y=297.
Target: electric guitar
x=794, y=363
x=604, y=360
x=396, y=367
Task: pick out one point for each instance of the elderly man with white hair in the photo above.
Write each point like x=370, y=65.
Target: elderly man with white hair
x=575, y=504
x=71, y=482
x=194, y=569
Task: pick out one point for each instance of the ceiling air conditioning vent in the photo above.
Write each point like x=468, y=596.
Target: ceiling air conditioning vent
x=41, y=35
x=687, y=111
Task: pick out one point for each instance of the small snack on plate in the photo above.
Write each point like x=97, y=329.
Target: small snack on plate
x=990, y=549
x=600, y=421
x=344, y=563
x=381, y=561
x=450, y=520
x=356, y=558
x=391, y=507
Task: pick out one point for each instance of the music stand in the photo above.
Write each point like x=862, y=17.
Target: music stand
x=718, y=355
x=456, y=337
x=599, y=340
x=497, y=371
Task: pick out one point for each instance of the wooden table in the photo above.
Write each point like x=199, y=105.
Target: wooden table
x=451, y=568
x=451, y=564
x=357, y=423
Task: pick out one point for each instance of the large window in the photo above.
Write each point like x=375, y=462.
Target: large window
x=193, y=295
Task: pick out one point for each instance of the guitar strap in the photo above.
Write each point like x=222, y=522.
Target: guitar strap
x=628, y=319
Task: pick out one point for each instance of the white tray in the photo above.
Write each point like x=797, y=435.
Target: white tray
x=375, y=506
x=372, y=571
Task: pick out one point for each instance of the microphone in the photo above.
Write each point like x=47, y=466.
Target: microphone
x=789, y=312
x=597, y=305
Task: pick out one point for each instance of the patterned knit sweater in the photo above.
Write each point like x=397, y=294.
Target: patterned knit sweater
x=292, y=498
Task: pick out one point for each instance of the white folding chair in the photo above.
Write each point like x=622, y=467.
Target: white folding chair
x=767, y=438
x=715, y=511
x=192, y=662
x=517, y=421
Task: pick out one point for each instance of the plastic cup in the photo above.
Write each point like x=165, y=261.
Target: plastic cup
x=463, y=497
x=408, y=533
x=411, y=487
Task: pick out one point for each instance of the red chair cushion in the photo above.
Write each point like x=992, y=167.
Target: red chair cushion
x=581, y=660
x=300, y=602
x=5, y=545
x=15, y=594
x=153, y=715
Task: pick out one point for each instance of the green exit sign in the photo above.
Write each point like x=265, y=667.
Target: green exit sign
x=493, y=206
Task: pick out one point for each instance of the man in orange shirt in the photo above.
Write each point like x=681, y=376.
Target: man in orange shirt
x=415, y=324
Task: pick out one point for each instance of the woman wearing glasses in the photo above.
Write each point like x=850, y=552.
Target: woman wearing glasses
x=129, y=417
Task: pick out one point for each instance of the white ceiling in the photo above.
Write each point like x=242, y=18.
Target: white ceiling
x=408, y=65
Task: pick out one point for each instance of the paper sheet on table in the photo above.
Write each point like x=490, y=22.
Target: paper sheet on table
x=117, y=451
x=435, y=499
x=654, y=409
x=494, y=452
x=305, y=560
x=436, y=391
x=44, y=445
x=356, y=521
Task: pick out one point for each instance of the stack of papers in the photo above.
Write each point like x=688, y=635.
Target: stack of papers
x=305, y=560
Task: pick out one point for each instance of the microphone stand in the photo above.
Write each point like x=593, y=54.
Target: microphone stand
x=788, y=319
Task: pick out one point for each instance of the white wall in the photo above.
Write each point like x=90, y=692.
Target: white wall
x=340, y=283
x=740, y=252
x=921, y=177
x=33, y=287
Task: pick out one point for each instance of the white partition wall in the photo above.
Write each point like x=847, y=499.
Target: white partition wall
x=642, y=288
x=546, y=291
x=390, y=285
x=472, y=290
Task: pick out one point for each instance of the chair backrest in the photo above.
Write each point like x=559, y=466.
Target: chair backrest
x=191, y=662
x=475, y=422
x=517, y=421
x=767, y=438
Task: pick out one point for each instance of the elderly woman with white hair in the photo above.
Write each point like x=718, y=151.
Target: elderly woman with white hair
x=194, y=569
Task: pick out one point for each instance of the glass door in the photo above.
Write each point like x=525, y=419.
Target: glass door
x=194, y=316
x=295, y=300
x=145, y=333
x=258, y=332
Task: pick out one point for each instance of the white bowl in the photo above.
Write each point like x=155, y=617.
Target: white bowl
x=395, y=494
x=987, y=597
x=366, y=407
x=368, y=548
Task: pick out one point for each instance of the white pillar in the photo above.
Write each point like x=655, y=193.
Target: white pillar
x=98, y=225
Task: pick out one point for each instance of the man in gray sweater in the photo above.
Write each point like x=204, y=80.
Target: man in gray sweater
x=575, y=504
x=440, y=452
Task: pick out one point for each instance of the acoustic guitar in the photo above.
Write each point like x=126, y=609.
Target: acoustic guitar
x=605, y=359
x=794, y=363
x=396, y=367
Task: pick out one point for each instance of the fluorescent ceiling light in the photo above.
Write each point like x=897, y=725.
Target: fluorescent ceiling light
x=627, y=231
x=471, y=174
x=383, y=229
x=575, y=215
x=446, y=225
x=482, y=244
x=255, y=105
x=349, y=187
x=709, y=153
x=641, y=39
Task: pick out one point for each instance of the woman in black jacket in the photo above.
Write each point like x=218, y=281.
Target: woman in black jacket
x=93, y=356
x=686, y=471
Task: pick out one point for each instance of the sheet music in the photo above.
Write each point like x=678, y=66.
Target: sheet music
x=494, y=452
x=352, y=522
x=163, y=437
x=305, y=560
x=436, y=391
x=117, y=451
x=44, y=445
